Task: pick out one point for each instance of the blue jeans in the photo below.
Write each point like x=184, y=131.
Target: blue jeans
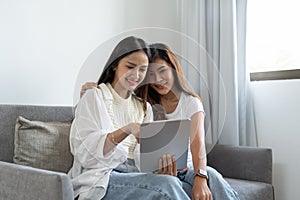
x=126, y=182
x=218, y=186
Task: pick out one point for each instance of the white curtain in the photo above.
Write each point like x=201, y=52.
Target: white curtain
x=213, y=58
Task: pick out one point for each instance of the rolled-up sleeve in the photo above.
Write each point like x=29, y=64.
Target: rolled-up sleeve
x=89, y=131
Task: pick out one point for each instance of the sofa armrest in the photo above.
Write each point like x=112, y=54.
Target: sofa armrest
x=241, y=162
x=22, y=182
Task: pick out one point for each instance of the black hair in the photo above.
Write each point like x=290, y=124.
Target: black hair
x=162, y=51
x=125, y=47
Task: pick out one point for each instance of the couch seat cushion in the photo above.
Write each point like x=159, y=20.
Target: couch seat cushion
x=251, y=190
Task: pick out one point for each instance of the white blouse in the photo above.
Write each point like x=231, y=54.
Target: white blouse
x=125, y=111
x=88, y=133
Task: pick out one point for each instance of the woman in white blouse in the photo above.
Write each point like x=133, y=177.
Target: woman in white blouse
x=105, y=133
x=167, y=91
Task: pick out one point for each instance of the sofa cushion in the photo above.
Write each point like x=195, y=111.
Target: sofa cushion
x=251, y=190
x=43, y=145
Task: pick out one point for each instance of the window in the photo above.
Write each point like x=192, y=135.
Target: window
x=273, y=39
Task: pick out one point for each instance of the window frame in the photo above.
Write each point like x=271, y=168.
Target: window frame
x=275, y=75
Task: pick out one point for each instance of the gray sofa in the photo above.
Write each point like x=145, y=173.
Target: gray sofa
x=248, y=170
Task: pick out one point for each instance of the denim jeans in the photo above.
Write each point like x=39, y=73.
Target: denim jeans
x=126, y=182
x=218, y=186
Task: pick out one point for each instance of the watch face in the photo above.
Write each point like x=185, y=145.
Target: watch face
x=202, y=172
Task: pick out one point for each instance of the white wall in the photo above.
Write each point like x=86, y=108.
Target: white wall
x=277, y=110
x=154, y=13
x=45, y=43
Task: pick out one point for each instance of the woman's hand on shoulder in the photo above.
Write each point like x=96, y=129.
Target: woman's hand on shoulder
x=87, y=86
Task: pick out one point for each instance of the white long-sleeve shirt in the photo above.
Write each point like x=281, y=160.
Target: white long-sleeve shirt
x=88, y=133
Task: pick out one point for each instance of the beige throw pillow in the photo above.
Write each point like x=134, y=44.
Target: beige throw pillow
x=43, y=145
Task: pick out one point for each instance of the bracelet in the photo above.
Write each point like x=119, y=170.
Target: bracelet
x=113, y=139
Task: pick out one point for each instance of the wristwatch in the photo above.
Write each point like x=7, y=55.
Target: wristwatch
x=201, y=173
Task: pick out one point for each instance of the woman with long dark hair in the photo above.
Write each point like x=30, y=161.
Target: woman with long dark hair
x=171, y=98
x=105, y=133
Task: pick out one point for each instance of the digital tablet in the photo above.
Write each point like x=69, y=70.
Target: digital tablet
x=160, y=137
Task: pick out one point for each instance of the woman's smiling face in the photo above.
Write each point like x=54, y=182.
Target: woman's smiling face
x=131, y=71
x=161, y=77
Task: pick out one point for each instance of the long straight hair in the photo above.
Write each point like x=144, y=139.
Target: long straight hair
x=162, y=51
x=124, y=48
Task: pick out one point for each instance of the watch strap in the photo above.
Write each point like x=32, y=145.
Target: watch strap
x=201, y=173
